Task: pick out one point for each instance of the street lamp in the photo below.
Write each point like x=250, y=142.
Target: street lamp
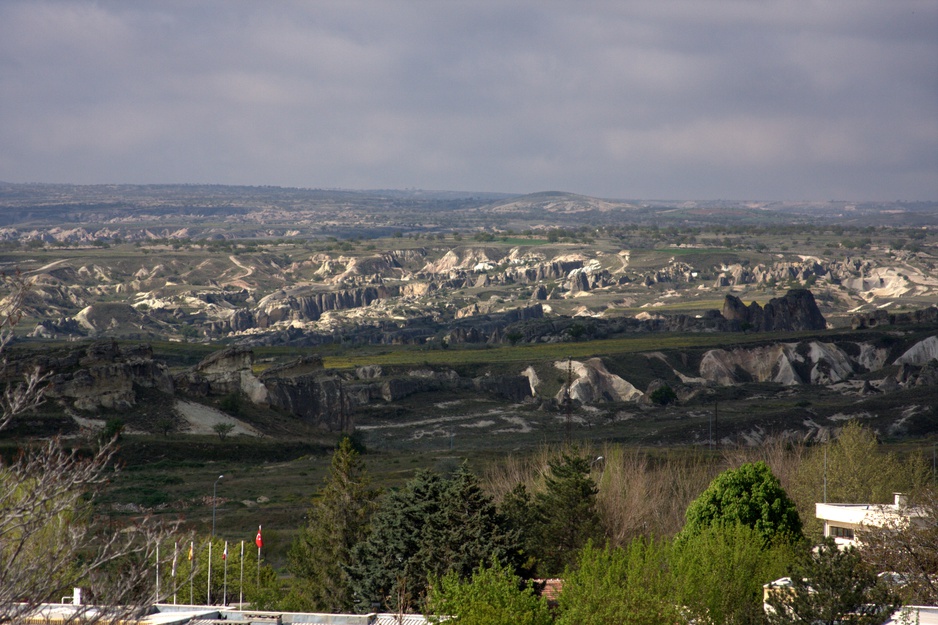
x=214, y=489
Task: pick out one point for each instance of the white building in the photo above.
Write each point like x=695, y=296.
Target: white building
x=842, y=520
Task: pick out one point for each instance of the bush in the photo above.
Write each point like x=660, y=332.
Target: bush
x=663, y=395
x=232, y=404
x=493, y=596
x=223, y=430
x=113, y=429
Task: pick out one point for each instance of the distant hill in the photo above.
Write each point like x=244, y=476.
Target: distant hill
x=556, y=202
x=350, y=213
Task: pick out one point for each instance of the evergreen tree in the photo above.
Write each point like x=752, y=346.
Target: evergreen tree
x=338, y=520
x=567, y=517
x=386, y=571
x=750, y=495
x=521, y=518
x=470, y=530
x=431, y=527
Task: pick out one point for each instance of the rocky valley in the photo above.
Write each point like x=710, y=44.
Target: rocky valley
x=411, y=317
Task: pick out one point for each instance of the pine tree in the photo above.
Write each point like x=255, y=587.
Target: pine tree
x=431, y=527
x=567, y=516
x=470, y=530
x=338, y=520
x=521, y=518
x=386, y=571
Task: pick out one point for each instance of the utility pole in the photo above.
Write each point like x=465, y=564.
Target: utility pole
x=342, y=416
x=825, y=474
x=710, y=435
x=716, y=425
x=568, y=404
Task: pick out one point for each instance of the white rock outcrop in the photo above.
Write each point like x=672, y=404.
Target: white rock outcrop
x=920, y=353
x=594, y=383
x=819, y=363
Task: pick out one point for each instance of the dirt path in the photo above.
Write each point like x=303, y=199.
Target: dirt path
x=248, y=270
x=54, y=263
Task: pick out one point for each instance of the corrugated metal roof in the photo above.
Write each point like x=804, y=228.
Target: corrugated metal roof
x=400, y=619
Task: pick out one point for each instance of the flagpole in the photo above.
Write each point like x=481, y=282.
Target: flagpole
x=224, y=596
x=191, y=573
x=208, y=585
x=260, y=543
x=157, y=598
x=175, y=552
x=241, y=582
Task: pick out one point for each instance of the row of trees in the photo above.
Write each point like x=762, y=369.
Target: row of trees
x=443, y=544
x=742, y=532
x=355, y=554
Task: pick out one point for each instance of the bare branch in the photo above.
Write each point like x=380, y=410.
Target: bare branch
x=907, y=544
x=49, y=541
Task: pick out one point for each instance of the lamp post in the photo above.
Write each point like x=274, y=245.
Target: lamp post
x=208, y=585
x=214, y=490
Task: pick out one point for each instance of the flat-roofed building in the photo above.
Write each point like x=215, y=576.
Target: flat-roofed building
x=842, y=521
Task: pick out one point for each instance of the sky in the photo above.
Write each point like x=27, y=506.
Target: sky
x=627, y=99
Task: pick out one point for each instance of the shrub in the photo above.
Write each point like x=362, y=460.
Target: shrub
x=663, y=395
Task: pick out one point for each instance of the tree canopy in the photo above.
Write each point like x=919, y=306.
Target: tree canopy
x=494, y=595
x=630, y=585
x=750, y=495
x=857, y=470
x=719, y=572
x=430, y=527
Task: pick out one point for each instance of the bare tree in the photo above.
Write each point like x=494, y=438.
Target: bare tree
x=49, y=541
x=907, y=544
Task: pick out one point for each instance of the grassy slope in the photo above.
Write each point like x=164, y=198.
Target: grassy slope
x=413, y=356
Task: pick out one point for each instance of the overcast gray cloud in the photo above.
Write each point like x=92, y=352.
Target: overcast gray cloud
x=658, y=99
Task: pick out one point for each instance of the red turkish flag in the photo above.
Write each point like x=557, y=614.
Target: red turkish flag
x=259, y=541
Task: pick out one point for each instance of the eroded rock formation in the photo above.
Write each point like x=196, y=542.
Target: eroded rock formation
x=795, y=311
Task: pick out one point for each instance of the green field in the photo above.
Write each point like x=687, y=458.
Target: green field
x=545, y=352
